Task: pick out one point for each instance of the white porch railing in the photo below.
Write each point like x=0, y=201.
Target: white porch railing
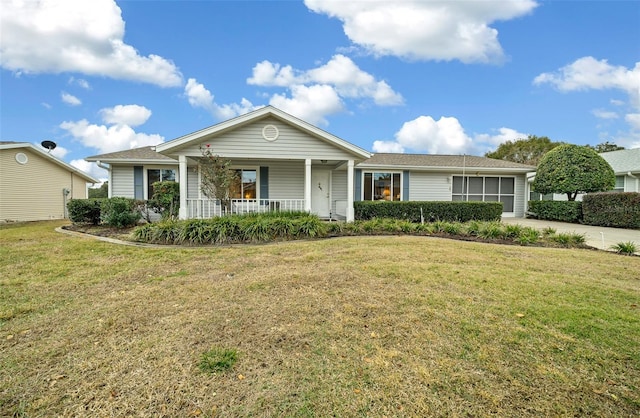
x=209, y=208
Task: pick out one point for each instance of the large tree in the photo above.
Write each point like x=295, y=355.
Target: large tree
x=524, y=151
x=572, y=169
x=605, y=147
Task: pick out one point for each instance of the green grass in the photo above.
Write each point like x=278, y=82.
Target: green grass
x=217, y=360
x=356, y=326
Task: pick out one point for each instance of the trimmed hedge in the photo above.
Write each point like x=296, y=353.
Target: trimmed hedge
x=84, y=211
x=557, y=210
x=431, y=211
x=621, y=210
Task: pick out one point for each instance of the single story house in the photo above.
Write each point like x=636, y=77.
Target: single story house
x=35, y=185
x=626, y=166
x=288, y=164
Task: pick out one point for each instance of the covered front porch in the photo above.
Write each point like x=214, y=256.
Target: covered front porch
x=322, y=187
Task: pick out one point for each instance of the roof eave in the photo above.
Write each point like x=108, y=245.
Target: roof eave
x=467, y=169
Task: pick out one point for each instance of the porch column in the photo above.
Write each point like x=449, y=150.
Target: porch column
x=307, y=185
x=182, y=176
x=350, y=191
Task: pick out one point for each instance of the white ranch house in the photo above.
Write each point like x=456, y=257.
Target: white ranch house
x=284, y=163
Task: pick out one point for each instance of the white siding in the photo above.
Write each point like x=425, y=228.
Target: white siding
x=429, y=186
x=193, y=189
x=122, y=178
x=286, y=180
x=338, y=191
x=247, y=142
x=521, y=196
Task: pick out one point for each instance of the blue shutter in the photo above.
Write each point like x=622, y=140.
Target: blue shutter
x=264, y=182
x=358, y=185
x=405, y=185
x=138, y=182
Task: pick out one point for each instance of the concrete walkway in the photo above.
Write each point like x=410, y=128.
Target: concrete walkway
x=596, y=236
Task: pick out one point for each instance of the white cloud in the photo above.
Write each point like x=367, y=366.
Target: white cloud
x=604, y=114
x=316, y=93
x=46, y=105
x=387, y=146
x=341, y=73
x=199, y=96
x=132, y=115
x=91, y=169
x=503, y=135
x=310, y=104
x=54, y=36
x=425, y=30
x=69, y=99
x=80, y=82
x=109, y=138
x=633, y=119
x=266, y=73
x=588, y=73
x=443, y=136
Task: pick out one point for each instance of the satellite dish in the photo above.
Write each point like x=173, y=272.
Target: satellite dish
x=50, y=145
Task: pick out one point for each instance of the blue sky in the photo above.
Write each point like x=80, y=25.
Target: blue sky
x=446, y=77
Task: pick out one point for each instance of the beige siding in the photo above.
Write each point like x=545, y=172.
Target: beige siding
x=33, y=191
x=247, y=142
x=429, y=186
x=122, y=178
x=79, y=189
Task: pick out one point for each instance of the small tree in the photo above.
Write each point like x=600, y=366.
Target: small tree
x=165, y=199
x=217, y=177
x=572, y=169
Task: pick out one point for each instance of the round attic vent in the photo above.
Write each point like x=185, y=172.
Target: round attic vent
x=22, y=158
x=270, y=133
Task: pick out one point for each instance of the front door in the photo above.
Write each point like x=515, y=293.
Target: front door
x=320, y=193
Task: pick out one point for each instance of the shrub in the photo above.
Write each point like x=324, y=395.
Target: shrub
x=414, y=211
x=557, y=210
x=528, y=236
x=84, y=211
x=119, y=212
x=620, y=210
x=626, y=248
x=568, y=239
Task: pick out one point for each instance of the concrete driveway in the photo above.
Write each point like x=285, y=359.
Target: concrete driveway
x=596, y=236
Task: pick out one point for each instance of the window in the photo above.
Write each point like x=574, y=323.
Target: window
x=485, y=189
x=381, y=186
x=155, y=175
x=538, y=196
x=244, y=187
x=619, y=187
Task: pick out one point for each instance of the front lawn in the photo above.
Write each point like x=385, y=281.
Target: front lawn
x=354, y=326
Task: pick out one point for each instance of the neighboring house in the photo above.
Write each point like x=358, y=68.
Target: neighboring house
x=626, y=166
x=288, y=164
x=35, y=185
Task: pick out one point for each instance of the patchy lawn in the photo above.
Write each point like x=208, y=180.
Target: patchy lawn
x=362, y=326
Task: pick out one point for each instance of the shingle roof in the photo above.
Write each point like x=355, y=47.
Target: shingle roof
x=623, y=161
x=143, y=153
x=426, y=160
